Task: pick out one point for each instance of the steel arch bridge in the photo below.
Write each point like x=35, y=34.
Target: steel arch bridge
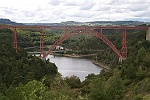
x=74, y=30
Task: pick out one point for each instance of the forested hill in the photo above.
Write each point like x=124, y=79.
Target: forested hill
x=8, y=22
x=92, y=23
x=19, y=68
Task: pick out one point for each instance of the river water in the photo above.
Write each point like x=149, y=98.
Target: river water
x=74, y=66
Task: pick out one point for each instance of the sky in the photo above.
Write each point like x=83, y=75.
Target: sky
x=55, y=11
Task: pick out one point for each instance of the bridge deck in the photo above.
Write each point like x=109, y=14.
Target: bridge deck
x=75, y=27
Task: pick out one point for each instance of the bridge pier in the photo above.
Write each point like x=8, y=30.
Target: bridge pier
x=148, y=34
x=43, y=59
x=42, y=44
x=124, y=47
x=15, y=40
x=121, y=59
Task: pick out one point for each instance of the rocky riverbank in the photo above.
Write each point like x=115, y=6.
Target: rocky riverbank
x=74, y=56
x=101, y=65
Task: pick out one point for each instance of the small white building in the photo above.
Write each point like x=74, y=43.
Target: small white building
x=59, y=48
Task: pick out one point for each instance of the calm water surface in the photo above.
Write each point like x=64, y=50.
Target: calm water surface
x=74, y=66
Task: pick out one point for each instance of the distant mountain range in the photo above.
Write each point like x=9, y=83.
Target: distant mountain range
x=106, y=23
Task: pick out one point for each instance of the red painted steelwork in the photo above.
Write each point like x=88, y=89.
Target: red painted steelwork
x=91, y=32
x=101, y=32
x=76, y=27
x=15, y=40
x=59, y=41
x=42, y=55
x=124, y=47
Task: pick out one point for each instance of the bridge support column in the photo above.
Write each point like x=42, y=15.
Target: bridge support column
x=15, y=40
x=121, y=59
x=148, y=34
x=124, y=47
x=101, y=32
x=42, y=44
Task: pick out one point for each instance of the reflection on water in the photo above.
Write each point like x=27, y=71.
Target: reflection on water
x=74, y=66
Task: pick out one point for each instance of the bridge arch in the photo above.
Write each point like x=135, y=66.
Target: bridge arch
x=91, y=32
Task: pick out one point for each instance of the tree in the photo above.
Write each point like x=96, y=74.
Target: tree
x=140, y=73
x=97, y=90
x=141, y=55
x=116, y=88
x=33, y=90
x=73, y=81
x=147, y=60
x=130, y=71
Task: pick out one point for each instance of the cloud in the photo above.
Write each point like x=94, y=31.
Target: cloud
x=54, y=2
x=87, y=6
x=139, y=7
x=74, y=2
x=75, y=10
